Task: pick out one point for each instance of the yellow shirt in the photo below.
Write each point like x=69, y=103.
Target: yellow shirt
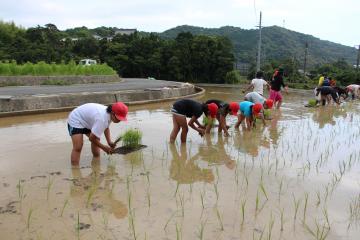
x=321, y=80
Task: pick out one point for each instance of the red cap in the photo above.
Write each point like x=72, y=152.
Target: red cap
x=257, y=108
x=213, y=108
x=269, y=103
x=234, y=107
x=120, y=110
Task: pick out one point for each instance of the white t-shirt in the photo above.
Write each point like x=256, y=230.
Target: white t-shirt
x=254, y=97
x=92, y=116
x=258, y=84
x=354, y=87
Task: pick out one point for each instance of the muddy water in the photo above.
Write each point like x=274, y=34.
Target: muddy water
x=298, y=177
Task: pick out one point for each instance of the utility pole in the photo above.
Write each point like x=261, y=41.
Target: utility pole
x=259, y=47
x=357, y=64
x=305, y=58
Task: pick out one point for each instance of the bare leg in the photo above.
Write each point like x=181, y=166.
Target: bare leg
x=77, y=141
x=184, y=128
x=176, y=129
x=279, y=104
x=95, y=150
x=240, y=119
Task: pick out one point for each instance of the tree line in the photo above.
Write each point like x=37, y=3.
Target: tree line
x=185, y=58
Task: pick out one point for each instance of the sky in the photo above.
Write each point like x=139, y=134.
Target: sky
x=332, y=20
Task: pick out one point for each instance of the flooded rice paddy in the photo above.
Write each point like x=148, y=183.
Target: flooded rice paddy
x=296, y=178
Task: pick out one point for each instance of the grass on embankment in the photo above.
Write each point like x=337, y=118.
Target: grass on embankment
x=53, y=69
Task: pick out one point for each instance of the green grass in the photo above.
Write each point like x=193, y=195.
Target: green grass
x=44, y=69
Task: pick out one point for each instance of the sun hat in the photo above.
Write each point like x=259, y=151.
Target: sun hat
x=213, y=108
x=234, y=107
x=269, y=103
x=257, y=108
x=120, y=110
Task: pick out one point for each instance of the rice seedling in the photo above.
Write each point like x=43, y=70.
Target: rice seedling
x=148, y=197
x=132, y=223
x=48, y=187
x=105, y=219
x=178, y=232
x=168, y=221
x=318, y=197
x=257, y=201
x=320, y=233
x=262, y=188
x=296, y=206
x=131, y=138
x=305, y=206
x=243, y=205
x=200, y=234
x=354, y=209
x=177, y=188
x=28, y=221
x=90, y=195
x=282, y=219
x=271, y=225
x=63, y=207
x=77, y=228
x=202, y=195
x=182, y=205
x=20, y=188
x=219, y=218
x=216, y=191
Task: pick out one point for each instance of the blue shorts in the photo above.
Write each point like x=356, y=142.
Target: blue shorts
x=73, y=131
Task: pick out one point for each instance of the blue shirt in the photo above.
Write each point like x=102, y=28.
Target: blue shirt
x=246, y=108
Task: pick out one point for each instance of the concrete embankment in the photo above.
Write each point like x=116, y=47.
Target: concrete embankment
x=42, y=103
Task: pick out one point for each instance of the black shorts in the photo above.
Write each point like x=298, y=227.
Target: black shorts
x=73, y=131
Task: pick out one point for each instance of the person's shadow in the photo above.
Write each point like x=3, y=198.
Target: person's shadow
x=183, y=168
x=96, y=190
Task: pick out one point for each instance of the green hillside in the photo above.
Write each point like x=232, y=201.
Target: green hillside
x=278, y=43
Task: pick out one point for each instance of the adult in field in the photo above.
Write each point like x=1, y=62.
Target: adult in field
x=326, y=92
x=92, y=120
x=223, y=110
x=257, y=84
x=188, y=108
x=248, y=111
x=353, y=90
x=255, y=97
x=275, y=90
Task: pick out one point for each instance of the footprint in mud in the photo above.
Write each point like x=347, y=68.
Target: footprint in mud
x=6, y=184
x=40, y=176
x=83, y=226
x=55, y=173
x=96, y=206
x=10, y=208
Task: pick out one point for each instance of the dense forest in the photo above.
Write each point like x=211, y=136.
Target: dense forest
x=183, y=53
x=185, y=58
x=277, y=44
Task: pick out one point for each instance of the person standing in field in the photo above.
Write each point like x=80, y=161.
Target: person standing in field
x=223, y=110
x=257, y=84
x=188, y=108
x=275, y=91
x=92, y=120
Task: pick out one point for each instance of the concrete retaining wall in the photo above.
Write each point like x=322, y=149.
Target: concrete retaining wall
x=39, y=80
x=10, y=106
